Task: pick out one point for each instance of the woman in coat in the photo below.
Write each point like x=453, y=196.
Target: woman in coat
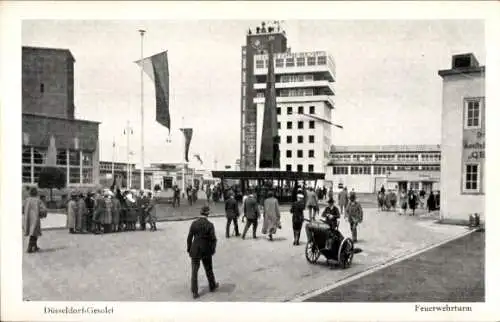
x=115, y=222
x=403, y=201
x=412, y=201
x=71, y=218
x=33, y=210
x=271, y=215
x=82, y=214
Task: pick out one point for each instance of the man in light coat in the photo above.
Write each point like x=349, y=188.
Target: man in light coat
x=354, y=213
x=343, y=200
x=311, y=203
x=271, y=215
x=33, y=210
x=72, y=214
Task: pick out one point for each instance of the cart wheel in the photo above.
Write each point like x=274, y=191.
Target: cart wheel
x=312, y=253
x=346, y=253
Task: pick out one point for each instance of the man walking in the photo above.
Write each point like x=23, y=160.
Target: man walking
x=34, y=209
x=297, y=212
x=201, y=245
x=177, y=197
x=232, y=213
x=252, y=214
x=142, y=204
x=354, y=214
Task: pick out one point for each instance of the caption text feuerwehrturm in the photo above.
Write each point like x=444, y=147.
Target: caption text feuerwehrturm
x=443, y=308
x=78, y=310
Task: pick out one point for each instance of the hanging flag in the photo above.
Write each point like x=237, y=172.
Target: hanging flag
x=323, y=120
x=156, y=67
x=188, y=134
x=269, y=147
x=197, y=156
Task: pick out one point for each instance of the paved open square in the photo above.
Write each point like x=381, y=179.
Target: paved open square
x=154, y=266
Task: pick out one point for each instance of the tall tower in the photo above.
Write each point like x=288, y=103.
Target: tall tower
x=257, y=43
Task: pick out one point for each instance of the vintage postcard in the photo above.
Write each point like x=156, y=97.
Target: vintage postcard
x=214, y=161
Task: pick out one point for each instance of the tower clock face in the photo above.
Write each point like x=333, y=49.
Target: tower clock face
x=257, y=44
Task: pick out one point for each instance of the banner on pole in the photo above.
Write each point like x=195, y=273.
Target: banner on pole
x=156, y=67
x=188, y=134
x=198, y=157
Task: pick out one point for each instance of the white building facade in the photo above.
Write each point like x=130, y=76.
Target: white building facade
x=396, y=167
x=304, y=95
x=463, y=139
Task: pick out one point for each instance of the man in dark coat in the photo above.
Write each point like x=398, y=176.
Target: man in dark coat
x=252, y=214
x=142, y=205
x=412, y=201
x=201, y=245
x=232, y=213
x=297, y=212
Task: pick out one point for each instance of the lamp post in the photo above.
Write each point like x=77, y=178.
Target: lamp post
x=142, y=32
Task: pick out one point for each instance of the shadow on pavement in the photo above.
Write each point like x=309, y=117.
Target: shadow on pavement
x=223, y=288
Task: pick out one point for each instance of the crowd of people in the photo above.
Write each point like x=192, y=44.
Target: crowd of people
x=407, y=200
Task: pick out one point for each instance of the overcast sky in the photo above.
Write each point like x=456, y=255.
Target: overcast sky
x=387, y=90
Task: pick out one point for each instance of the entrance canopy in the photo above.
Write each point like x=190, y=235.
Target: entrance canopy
x=269, y=175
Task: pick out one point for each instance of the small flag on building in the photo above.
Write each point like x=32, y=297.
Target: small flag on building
x=76, y=142
x=197, y=156
x=156, y=67
x=26, y=139
x=188, y=134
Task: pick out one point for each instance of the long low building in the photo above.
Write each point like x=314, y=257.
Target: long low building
x=367, y=168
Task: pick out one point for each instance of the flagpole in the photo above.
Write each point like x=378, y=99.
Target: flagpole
x=142, y=107
x=184, y=164
x=113, y=161
x=129, y=179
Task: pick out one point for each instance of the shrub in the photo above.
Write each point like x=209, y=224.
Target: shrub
x=52, y=178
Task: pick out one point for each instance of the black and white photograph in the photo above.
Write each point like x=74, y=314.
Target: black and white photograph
x=248, y=160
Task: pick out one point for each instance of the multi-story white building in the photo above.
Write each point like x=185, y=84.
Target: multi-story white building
x=463, y=139
x=304, y=97
x=401, y=167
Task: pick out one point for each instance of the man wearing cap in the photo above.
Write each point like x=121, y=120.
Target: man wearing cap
x=297, y=211
x=99, y=209
x=252, y=214
x=354, y=215
x=232, y=214
x=201, y=244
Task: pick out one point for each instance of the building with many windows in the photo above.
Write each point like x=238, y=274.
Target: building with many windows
x=304, y=97
x=463, y=138
x=367, y=168
x=48, y=112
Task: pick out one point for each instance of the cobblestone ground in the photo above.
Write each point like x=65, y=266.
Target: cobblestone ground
x=154, y=266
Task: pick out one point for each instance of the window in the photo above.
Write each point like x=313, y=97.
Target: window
x=408, y=157
x=288, y=139
x=279, y=62
x=301, y=110
x=300, y=154
x=289, y=125
x=340, y=170
x=300, y=139
x=384, y=157
x=74, y=175
x=290, y=62
x=359, y=170
x=39, y=156
x=310, y=168
x=301, y=61
x=379, y=170
x=288, y=167
x=300, y=124
x=61, y=157
x=311, y=153
x=74, y=158
x=42, y=88
x=299, y=167
x=471, y=181
x=288, y=153
x=311, y=61
x=279, y=125
x=26, y=174
x=311, y=124
x=27, y=156
x=341, y=157
x=472, y=113
x=289, y=110
x=311, y=110
x=322, y=60
x=259, y=63
x=87, y=175
x=311, y=138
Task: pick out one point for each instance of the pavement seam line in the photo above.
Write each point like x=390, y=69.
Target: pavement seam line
x=372, y=269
